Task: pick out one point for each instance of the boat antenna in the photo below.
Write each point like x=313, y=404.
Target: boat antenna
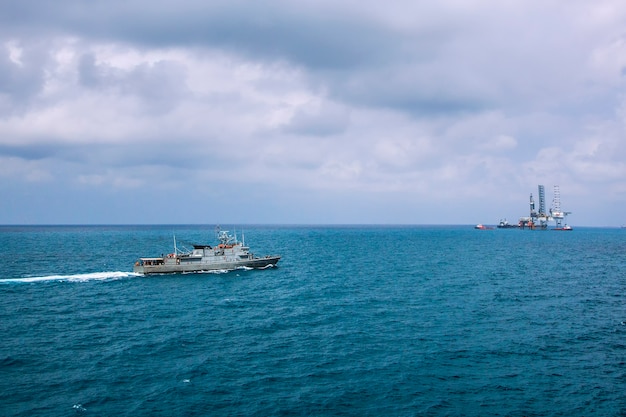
x=175, y=249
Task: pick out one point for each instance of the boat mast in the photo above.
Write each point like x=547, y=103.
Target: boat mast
x=175, y=249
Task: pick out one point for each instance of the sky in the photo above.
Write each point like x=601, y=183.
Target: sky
x=311, y=112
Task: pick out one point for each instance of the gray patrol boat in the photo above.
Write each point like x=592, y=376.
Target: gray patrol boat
x=229, y=254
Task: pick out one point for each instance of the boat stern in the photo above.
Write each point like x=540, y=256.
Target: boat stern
x=138, y=268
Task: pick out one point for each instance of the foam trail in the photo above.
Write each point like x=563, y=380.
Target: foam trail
x=213, y=271
x=94, y=276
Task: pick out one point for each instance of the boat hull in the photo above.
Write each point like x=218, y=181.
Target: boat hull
x=180, y=268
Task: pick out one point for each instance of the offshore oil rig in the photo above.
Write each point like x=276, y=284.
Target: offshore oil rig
x=539, y=219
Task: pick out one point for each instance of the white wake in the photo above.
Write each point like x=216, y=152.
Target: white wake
x=94, y=276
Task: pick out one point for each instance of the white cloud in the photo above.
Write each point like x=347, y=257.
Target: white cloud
x=499, y=143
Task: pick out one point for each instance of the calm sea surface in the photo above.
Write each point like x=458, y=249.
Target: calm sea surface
x=379, y=321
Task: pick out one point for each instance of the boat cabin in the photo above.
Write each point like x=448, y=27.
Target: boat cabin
x=152, y=261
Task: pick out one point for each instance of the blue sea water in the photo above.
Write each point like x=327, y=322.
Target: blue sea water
x=355, y=320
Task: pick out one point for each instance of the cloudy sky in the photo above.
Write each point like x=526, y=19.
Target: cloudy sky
x=211, y=111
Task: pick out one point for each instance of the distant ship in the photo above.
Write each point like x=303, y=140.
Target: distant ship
x=504, y=224
x=565, y=228
x=229, y=254
x=482, y=227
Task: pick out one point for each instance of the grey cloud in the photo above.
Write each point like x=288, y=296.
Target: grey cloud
x=22, y=77
x=161, y=85
x=330, y=42
x=89, y=74
x=317, y=38
x=412, y=90
x=30, y=152
x=323, y=120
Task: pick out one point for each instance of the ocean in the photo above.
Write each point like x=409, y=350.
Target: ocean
x=354, y=321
